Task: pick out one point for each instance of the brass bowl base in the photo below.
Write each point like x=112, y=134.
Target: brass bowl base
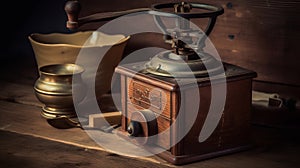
x=60, y=118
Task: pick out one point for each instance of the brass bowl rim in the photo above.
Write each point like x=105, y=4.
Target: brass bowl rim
x=79, y=70
x=30, y=37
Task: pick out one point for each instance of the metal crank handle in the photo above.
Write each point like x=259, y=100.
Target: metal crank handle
x=184, y=10
x=73, y=8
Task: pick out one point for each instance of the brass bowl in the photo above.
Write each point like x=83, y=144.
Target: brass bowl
x=54, y=89
x=63, y=48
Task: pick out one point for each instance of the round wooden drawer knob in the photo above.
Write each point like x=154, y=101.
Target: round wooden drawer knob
x=142, y=125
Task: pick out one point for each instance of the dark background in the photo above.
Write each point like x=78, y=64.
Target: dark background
x=21, y=18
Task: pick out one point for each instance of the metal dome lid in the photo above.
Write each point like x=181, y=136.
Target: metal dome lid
x=169, y=64
x=187, y=57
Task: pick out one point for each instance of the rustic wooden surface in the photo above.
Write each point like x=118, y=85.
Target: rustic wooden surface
x=26, y=137
x=20, y=112
x=34, y=152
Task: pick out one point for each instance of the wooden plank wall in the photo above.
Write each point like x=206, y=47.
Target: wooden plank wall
x=259, y=35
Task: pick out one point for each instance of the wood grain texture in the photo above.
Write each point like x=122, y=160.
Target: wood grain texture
x=161, y=106
x=162, y=123
x=188, y=119
x=259, y=35
x=20, y=113
x=17, y=150
x=274, y=147
x=26, y=119
x=265, y=38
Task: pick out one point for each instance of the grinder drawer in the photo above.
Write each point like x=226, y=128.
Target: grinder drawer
x=163, y=124
x=146, y=96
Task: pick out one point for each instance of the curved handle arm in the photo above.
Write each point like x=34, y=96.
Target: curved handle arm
x=212, y=14
x=210, y=25
x=207, y=31
x=73, y=8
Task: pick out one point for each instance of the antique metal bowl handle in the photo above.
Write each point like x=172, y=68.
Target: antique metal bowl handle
x=64, y=122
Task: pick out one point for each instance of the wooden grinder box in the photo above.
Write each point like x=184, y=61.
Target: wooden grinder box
x=230, y=135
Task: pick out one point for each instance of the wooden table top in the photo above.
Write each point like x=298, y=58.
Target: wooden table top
x=20, y=113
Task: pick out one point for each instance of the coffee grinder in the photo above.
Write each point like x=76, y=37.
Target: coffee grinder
x=158, y=96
